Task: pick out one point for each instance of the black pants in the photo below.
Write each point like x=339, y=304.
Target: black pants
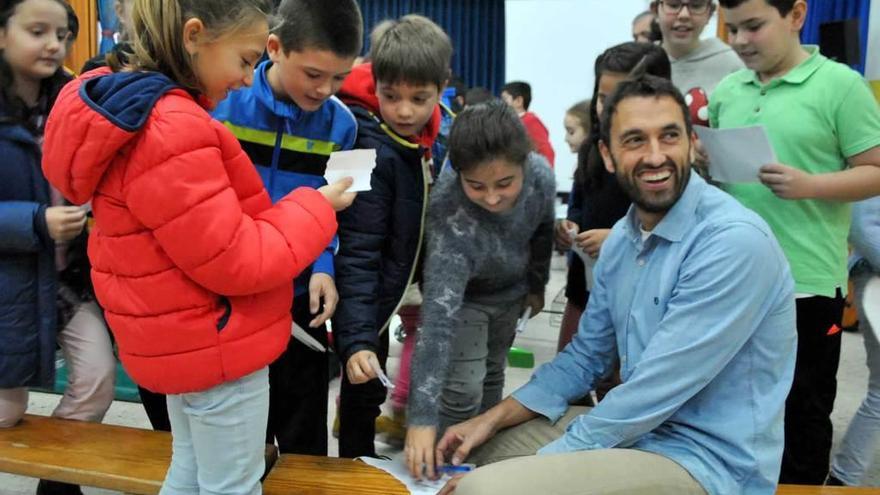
x=359, y=406
x=298, y=384
x=808, y=408
x=156, y=408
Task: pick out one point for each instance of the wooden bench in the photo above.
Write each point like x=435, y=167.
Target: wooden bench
x=130, y=460
x=134, y=460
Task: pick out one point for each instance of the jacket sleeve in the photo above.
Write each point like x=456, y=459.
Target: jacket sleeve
x=363, y=230
x=447, y=272
x=541, y=243
x=23, y=227
x=188, y=202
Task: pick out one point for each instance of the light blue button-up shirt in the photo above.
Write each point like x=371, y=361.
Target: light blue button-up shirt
x=702, y=317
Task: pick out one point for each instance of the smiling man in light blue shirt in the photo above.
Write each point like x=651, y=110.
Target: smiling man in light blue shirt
x=694, y=296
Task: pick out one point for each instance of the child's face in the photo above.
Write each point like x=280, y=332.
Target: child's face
x=608, y=82
x=227, y=63
x=308, y=77
x=494, y=185
x=34, y=39
x=515, y=103
x=575, y=134
x=762, y=38
x=681, y=30
x=406, y=107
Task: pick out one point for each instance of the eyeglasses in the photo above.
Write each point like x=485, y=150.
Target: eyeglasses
x=695, y=7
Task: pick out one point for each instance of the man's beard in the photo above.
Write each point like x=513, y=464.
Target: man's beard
x=628, y=182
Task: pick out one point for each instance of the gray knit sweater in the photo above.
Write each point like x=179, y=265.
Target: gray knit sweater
x=479, y=256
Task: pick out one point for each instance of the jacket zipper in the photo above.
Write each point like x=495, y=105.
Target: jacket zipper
x=426, y=172
x=276, y=155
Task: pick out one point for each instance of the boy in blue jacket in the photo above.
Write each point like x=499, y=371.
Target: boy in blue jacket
x=395, y=100
x=289, y=122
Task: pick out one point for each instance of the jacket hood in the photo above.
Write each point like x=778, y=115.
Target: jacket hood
x=93, y=118
x=359, y=89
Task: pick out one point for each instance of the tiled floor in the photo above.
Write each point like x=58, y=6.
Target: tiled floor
x=540, y=338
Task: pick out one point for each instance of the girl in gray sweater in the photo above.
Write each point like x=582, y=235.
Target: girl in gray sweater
x=490, y=233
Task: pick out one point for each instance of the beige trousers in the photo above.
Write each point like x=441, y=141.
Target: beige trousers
x=85, y=342
x=509, y=466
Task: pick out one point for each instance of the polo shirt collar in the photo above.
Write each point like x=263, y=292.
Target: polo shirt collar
x=797, y=75
x=679, y=220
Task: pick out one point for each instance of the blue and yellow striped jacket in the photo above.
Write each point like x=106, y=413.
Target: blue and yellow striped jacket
x=289, y=146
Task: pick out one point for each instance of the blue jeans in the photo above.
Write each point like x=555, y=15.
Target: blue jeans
x=858, y=444
x=218, y=438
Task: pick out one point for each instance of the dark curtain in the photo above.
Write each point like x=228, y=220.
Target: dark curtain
x=838, y=10
x=476, y=28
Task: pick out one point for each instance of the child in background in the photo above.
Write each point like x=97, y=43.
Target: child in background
x=36, y=226
x=190, y=260
x=577, y=125
x=596, y=200
x=395, y=100
x=288, y=122
x=490, y=239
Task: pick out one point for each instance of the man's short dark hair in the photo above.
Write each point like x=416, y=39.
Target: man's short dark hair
x=783, y=6
x=644, y=86
x=518, y=89
x=485, y=132
x=333, y=25
x=413, y=49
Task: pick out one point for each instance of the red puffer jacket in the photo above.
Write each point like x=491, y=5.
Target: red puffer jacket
x=190, y=260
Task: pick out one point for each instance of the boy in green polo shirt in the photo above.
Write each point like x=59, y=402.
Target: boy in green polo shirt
x=824, y=125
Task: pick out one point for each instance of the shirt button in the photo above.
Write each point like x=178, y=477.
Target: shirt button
x=641, y=261
x=763, y=92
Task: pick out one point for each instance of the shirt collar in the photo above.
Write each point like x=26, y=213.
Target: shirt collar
x=798, y=74
x=678, y=221
x=263, y=92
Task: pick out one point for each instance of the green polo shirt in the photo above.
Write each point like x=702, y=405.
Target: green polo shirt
x=817, y=115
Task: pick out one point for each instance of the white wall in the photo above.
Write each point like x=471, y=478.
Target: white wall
x=552, y=45
x=872, y=63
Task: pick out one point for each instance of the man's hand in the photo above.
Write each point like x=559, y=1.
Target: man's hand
x=788, y=182
x=591, y=240
x=359, y=368
x=420, y=451
x=64, y=223
x=563, y=238
x=536, y=302
x=321, y=286
x=336, y=195
x=461, y=439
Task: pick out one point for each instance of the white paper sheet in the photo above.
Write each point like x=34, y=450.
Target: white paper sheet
x=871, y=303
x=309, y=341
x=397, y=469
x=588, y=260
x=358, y=164
x=736, y=155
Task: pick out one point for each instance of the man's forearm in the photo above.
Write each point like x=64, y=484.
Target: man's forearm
x=509, y=412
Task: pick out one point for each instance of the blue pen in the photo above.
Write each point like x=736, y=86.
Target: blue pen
x=452, y=469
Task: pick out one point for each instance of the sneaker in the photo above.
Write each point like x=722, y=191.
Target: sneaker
x=393, y=427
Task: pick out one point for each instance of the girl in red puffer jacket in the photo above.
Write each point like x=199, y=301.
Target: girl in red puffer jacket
x=192, y=263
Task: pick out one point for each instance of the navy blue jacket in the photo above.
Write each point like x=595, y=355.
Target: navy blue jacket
x=380, y=237
x=27, y=265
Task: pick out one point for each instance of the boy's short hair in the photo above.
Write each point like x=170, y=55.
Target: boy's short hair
x=333, y=25
x=477, y=95
x=485, y=132
x=519, y=89
x=644, y=86
x=413, y=49
x=783, y=6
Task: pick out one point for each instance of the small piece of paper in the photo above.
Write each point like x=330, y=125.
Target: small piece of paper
x=736, y=155
x=397, y=469
x=357, y=164
x=588, y=260
x=301, y=335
